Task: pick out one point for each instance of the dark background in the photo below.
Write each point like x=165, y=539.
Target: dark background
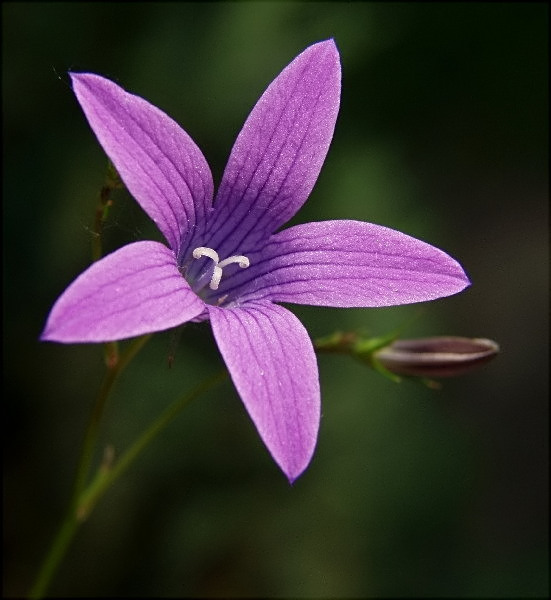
x=442, y=134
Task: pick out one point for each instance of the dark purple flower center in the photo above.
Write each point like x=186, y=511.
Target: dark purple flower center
x=216, y=275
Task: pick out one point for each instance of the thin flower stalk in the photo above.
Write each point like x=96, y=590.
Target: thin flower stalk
x=106, y=475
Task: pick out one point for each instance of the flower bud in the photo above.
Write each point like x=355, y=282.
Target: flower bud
x=436, y=356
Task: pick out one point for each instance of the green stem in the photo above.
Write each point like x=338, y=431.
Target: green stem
x=54, y=556
x=106, y=477
x=115, y=366
x=112, y=182
x=86, y=500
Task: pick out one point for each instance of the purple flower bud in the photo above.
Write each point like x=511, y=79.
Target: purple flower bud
x=436, y=356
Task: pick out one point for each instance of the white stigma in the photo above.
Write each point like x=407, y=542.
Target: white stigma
x=242, y=261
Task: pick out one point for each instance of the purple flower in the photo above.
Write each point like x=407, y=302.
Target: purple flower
x=226, y=263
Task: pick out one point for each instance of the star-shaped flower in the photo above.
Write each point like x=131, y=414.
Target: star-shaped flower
x=225, y=260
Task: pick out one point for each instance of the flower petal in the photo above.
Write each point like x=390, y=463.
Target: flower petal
x=135, y=290
x=278, y=155
x=347, y=264
x=273, y=366
x=159, y=163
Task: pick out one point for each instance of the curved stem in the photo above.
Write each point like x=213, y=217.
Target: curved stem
x=115, y=366
x=112, y=182
x=57, y=551
x=87, y=498
x=106, y=477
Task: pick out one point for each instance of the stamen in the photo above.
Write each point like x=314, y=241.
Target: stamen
x=216, y=277
x=243, y=261
x=201, y=251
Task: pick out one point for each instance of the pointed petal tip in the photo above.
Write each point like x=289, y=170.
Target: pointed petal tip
x=457, y=271
x=294, y=469
x=45, y=336
x=328, y=46
x=329, y=43
x=295, y=463
x=78, y=78
x=466, y=282
x=294, y=475
x=50, y=335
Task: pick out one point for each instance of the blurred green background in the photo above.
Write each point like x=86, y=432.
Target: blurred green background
x=442, y=134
